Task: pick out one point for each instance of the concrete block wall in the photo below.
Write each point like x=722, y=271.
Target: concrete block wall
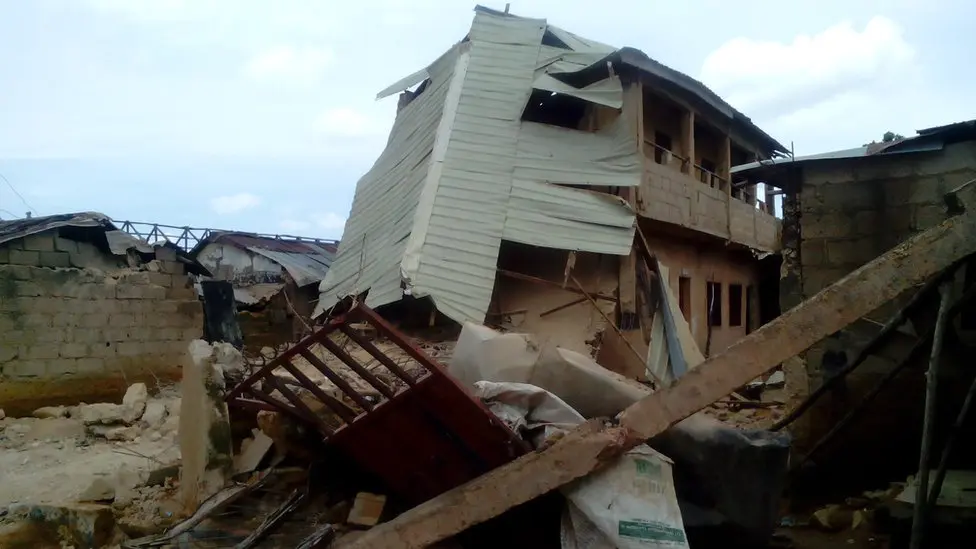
x=848, y=213
x=70, y=334
x=668, y=195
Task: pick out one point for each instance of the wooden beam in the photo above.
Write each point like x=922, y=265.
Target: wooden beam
x=588, y=448
x=585, y=449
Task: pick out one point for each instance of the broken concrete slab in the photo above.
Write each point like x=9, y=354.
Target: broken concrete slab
x=104, y=413
x=49, y=412
x=101, y=489
x=204, y=433
x=154, y=414
x=134, y=402
x=251, y=455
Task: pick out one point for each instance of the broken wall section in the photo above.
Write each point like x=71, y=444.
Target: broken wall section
x=847, y=213
x=69, y=334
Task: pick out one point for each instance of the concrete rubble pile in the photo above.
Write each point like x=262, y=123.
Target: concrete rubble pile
x=359, y=436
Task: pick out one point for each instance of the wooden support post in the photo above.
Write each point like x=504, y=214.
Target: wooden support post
x=593, y=446
x=627, y=275
x=928, y=426
x=688, y=142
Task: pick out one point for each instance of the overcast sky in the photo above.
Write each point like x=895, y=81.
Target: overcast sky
x=259, y=115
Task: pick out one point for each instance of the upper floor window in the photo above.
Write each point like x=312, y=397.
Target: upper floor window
x=555, y=109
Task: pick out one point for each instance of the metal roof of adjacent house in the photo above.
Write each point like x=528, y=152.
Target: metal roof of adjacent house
x=306, y=261
x=926, y=140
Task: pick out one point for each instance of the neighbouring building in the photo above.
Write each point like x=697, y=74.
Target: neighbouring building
x=843, y=209
x=275, y=281
x=86, y=310
x=527, y=152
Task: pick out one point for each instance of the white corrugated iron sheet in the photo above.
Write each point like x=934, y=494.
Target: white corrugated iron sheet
x=435, y=224
x=385, y=202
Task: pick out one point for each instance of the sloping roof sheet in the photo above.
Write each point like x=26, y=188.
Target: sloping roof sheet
x=118, y=242
x=306, y=261
x=431, y=224
x=927, y=140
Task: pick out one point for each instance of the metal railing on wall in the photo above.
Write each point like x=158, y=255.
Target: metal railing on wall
x=188, y=237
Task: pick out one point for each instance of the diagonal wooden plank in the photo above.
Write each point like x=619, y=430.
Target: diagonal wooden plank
x=862, y=291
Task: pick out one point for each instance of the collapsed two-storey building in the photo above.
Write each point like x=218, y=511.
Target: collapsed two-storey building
x=526, y=152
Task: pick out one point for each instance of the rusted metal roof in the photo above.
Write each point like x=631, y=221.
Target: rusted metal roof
x=306, y=261
x=118, y=241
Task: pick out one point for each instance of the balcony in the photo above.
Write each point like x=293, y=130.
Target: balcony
x=675, y=190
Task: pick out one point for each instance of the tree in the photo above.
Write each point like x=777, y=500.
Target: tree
x=888, y=137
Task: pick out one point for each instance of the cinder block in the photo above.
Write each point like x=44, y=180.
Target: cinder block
x=166, y=254
x=97, y=320
x=9, y=352
x=181, y=293
x=813, y=252
x=41, y=352
x=189, y=334
x=121, y=320
x=161, y=279
x=172, y=267
x=25, y=257
x=66, y=320
x=41, y=242
x=61, y=367
x=139, y=332
x=129, y=291
x=4, y=255
x=154, y=293
x=90, y=365
x=55, y=259
x=62, y=244
x=833, y=225
x=35, y=321
x=51, y=336
x=131, y=348
x=87, y=336
x=28, y=289
x=926, y=216
x=139, y=278
x=73, y=350
x=106, y=349
x=189, y=308
x=24, y=369
x=16, y=272
x=87, y=255
x=169, y=334
x=852, y=253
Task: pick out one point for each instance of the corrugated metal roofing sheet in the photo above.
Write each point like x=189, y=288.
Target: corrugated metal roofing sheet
x=383, y=208
x=484, y=176
x=303, y=268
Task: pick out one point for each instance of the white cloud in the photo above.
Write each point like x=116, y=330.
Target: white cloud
x=332, y=221
x=771, y=79
x=346, y=122
x=234, y=203
x=290, y=62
